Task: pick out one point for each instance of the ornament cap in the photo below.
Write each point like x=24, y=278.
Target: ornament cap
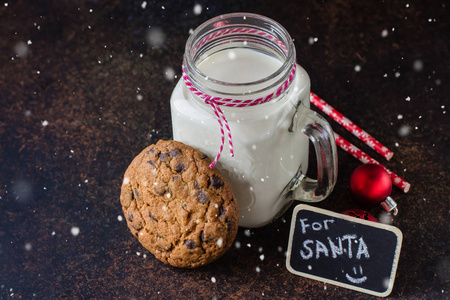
x=390, y=205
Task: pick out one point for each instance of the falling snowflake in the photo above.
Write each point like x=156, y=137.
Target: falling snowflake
x=75, y=231
x=21, y=49
x=404, y=130
x=169, y=73
x=197, y=9
x=312, y=40
x=418, y=65
x=155, y=37
x=28, y=247
x=22, y=190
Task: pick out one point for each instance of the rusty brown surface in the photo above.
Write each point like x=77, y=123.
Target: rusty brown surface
x=71, y=121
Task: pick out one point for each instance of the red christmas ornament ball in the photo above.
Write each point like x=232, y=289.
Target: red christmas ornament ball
x=370, y=184
x=360, y=214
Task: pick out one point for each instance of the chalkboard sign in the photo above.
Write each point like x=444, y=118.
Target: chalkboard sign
x=343, y=250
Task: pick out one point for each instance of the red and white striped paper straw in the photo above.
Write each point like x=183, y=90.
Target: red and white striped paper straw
x=350, y=126
x=366, y=159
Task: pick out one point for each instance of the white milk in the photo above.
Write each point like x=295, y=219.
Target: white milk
x=239, y=65
x=267, y=155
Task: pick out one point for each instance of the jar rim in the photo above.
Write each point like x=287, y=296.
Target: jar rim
x=220, y=23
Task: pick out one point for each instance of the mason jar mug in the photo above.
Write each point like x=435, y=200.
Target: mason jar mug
x=244, y=101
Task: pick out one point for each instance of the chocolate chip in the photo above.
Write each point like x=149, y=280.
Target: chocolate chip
x=190, y=244
x=174, y=152
x=130, y=216
x=130, y=196
x=202, y=197
x=202, y=236
x=175, y=178
x=160, y=188
x=163, y=157
x=151, y=151
x=222, y=211
x=159, y=191
x=180, y=168
x=204, y=156
x=216, y=182
x=160, y=236
x=229, y=225
x=138, y=227
x=152, y=163
x=152, y=217
x=195, y=184
x=136, y=193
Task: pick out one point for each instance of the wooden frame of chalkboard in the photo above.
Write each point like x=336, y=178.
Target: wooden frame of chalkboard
x=343, y=250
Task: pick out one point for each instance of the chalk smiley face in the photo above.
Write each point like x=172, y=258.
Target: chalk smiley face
x=356, y=280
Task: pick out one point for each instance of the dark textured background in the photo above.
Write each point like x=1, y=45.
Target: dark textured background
x=71, y=121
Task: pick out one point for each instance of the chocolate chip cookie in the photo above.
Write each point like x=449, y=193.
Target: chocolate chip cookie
x=180, y=210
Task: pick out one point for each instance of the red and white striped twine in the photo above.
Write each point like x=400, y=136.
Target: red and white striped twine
x=216, y=102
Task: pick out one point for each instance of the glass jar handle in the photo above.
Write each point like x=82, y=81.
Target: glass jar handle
x=319, y=132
